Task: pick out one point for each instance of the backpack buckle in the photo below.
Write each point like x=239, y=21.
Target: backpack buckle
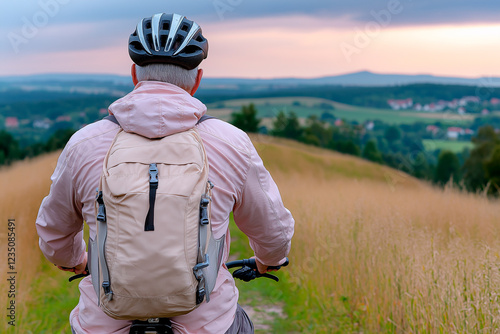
x=197, y=269
x=153, y=175
x=107, y=290
x=204, y=211
x=101, y=211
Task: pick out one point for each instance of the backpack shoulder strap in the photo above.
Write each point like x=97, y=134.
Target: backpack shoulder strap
x=204, y=118
x=112, y=118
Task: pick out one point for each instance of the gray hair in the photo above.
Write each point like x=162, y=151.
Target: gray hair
x=172, y=74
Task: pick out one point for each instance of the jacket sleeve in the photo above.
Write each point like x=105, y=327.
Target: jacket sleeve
x=59, y=223
x=261, y=215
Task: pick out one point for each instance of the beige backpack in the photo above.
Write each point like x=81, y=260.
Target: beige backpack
x=154, y=255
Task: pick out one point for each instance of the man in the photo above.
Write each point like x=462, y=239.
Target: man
x=166, y=50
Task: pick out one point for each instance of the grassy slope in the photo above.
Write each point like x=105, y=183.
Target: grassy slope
x=374, y=250
x=380, y=252
x=43, y=298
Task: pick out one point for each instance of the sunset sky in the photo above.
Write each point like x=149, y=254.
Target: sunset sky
x=262, y=39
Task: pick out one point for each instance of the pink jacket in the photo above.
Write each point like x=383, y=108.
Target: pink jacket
x=242, y=186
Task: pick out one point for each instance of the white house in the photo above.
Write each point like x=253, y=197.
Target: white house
x=454, y=132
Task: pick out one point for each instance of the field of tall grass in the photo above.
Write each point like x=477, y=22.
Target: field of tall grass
x=43, y=298
x=375, y=251
x=382, y=252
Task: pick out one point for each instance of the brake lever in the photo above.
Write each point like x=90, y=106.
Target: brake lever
x=266, y=275
x=74, y=277
x=248, y=274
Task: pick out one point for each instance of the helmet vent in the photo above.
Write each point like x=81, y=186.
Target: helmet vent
x=163, y=40
x=148, y=25
x=136, y=45
x=190, y=49
x=199, y=39
x=185, y=27
x=166, y=26
x=178, y=42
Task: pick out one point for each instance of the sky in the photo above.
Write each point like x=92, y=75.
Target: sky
x=261, y=38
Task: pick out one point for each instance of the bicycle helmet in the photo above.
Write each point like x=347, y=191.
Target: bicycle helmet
x=168, y=39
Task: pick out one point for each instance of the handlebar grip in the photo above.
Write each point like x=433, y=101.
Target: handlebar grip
x=251, y=263
x=286, y=263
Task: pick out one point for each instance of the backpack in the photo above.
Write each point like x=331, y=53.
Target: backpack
x=154, y=255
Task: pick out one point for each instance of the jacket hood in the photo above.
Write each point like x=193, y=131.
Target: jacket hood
x=157, y=109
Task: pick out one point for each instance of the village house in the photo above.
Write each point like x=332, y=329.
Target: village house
x=433, y=129
x=494, y=101
x=42, y=123
x=11, y=122
x=63, y=119
x=466, y=99
x=369, y=126
x=400, y=104
x=454, y=132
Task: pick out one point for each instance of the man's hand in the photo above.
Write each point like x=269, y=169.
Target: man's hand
x=262, y=268
x=79, y=269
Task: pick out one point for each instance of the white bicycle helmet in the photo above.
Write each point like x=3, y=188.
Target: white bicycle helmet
x=168, y=39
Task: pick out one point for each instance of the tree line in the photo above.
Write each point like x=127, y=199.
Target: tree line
x=10, y=150
x=399, y=147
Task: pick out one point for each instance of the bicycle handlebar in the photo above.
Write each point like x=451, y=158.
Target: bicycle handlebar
x=252, y=264
x=248, y=270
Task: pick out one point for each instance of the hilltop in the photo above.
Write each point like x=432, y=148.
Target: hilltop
x=375, y=250
x=290, y=157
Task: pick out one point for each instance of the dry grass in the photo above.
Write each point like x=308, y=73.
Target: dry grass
x=376, y=256
x=374, y=250
x=23, y=187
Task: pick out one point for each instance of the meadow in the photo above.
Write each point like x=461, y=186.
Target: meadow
x=449, y=145
x=375, y=251
x=268, y=108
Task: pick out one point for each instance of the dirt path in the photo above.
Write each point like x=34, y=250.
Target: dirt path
x=263, y=316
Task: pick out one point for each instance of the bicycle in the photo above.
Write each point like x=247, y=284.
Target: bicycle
x=247, y=272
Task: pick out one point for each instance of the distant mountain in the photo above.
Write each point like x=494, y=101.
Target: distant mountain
x=364, y=78
x=352, y=79
x=373, y=79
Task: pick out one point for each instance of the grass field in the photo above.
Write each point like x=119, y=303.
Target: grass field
x=43, y=296
x=454, y=146
x=384, y=253
x=375, y=251
x=306, y=106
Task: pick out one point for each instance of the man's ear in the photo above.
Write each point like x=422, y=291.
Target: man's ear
x=134, y=75
x=198, y=81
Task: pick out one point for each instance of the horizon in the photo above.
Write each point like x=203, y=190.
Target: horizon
x=253, y=78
